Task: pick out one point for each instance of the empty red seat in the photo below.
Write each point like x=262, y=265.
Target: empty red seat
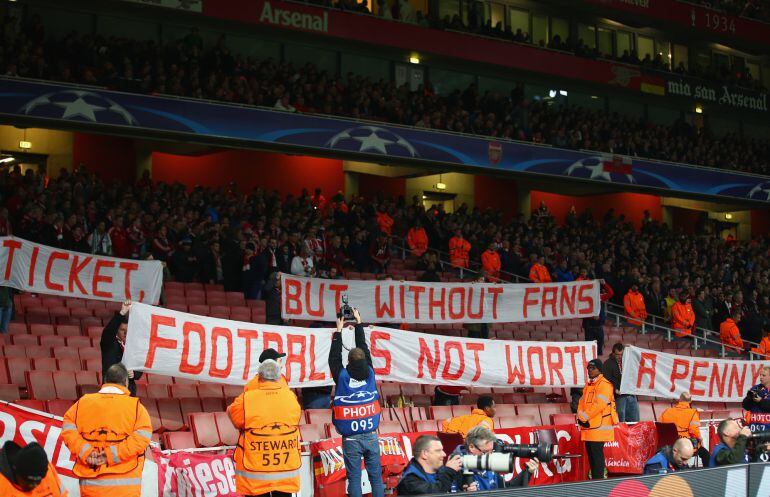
x=91, y=364
x=67, y=330
x=94, y=332
x=505, y=410
x=318, y=416
x=390, y=427
x=94, y=304
x=563, y=419
x=183, y=391
x=40, y=385
x=17, y=328
x=646, y=413
x=547, y=409
x=65, y=384
x=69, y=365
x=157, y=391
x=440, y=413
x=204, y=429
x=311, y=433
x=152, y=410
x=25, y=340
x=51, y=341
x=41, y=329
x=38, y=405
x=8, y=392
x=86, y=353
x=189, y=406
x=200, y=309
x=228, y=434
x=81, y=312
x=159, y=379
x=78, y=341
x=210, y=390
x=212, y=404
x=516, y=421
x=14, y=351
x=17, y=368
x=58, y=407
x=65, y=353
x=529, y=410
x=178, y=440
x=426, y=425
x=45, y=364
x=170, y=414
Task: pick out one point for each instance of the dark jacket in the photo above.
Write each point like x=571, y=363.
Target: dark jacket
x=335, y=353
x=662, y=460
x=704, y=313
x=763, y=405
x=725, y=455
x=611, y=371
x=414, y=480
x=271, y=293
x=112, y=350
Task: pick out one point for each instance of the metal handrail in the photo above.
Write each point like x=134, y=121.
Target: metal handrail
x=618, y=316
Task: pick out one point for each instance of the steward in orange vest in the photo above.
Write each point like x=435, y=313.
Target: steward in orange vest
x=490, y=262
x=597, y=417
x=481, y=416
x=267, y=458
x=687, y=422
x=633, y=302
x=26, y=472
x=763, y=348
x=459, y=248
x=729, y=334
x=538, y=273
x=108, y=433
x=682, y=316
x=417, y=239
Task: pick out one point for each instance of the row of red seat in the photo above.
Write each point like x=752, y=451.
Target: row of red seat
x=17, y=340
x=32, y=301
x=58, y=352
x=240, y=313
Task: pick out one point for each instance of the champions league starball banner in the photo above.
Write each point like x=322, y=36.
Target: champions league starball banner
x=98, y=110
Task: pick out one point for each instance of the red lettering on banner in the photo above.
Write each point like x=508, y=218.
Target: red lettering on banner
x=495, y=291
x=449, y=346
x=319, y=312
x=381, y=308
x=475, y=347
x=717, y=380
x=756, y=368
x=536, y=351
x=439, y=303
x=156, y=342
x=214, y=370
x=269, y=338
x=453, y=312
x=549, y=299
x=532, y=290
x=696, y=365
x=98, y=278
x=338, y=290
x=432, y=360
x=555, y=363
x=402, y=300
x=247, y=335
x=647, y=364
x=32, y=265
x=292, y=297
x=480, y=313
x=573, y=351
x=515, y=375
x=416, y=291
x=12, y=245
x=292, y=357
x=676, y=374
x=375, y=337
x=568, y=299
x=75, y=270
x=49, y=270
x=188, y=328
x=584, y=297
x=128, y=267
x=314, y=375
x=737, y=380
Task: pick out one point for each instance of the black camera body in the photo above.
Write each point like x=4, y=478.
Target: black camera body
x=502, y=459
x=346, y=311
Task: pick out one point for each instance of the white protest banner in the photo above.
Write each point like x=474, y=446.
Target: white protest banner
x=418, y=302
x=649, y=372
x=203, y=348
x=32, y=267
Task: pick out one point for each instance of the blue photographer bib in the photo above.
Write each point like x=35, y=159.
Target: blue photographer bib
x=356, y=405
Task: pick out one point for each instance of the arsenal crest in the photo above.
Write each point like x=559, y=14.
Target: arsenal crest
x=495, y=152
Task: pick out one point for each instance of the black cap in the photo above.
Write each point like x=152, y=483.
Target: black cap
x=597, y=363
x=268, y=354
x=30, y=462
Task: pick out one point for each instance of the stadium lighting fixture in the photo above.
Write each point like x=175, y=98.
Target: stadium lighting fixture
x=25, y=144
x=728, y=216
x=6, y=159
x=552, y=93
x=563, y=93
x=594, y=97
x=698, y=109
x=414, y=59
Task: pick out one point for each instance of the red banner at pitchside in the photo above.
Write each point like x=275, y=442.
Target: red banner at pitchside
x=36, y=268
x=667, y=375
x=417, y=302
x=200, y=474
x=203, y=348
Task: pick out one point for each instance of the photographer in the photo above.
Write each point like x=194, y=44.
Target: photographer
x=732, y=448
x=356, y=407
x=426, y=472
x=670, y=458
x=481, y=440
x=757, y=399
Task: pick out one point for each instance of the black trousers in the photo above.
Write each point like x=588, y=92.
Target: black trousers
x=595, y=333
x=442, y=399
x=272, y=494
x=704, y=456
x=596, y=459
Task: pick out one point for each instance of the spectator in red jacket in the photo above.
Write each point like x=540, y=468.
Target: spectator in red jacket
x=417, y=239
x=490, y=262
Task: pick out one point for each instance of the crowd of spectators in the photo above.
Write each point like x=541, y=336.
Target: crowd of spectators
x=241, y=240
x=186, y=68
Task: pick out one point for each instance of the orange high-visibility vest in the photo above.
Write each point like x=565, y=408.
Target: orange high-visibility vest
x=50, y=486
x=490, y=261
x=763, y=348
x=636, y=311
x=267, y=457
x=418, y=241
x=463, y=424
x=458, y=251
x=113, y=422
x=729, y=334
x=682, y=319
x=539, y=274
x=597, y=406
x=686, y=419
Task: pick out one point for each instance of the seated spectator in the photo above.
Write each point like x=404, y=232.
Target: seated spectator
x=480, y=416
x=729, y=334
x=670, y=458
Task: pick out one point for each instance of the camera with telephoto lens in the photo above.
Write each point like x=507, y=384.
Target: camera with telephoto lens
x=759, y=446
x=504, y=455
x=346, y=312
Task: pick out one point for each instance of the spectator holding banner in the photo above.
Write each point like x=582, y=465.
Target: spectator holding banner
x=267, y=458
x=113, y=343
x=356, y=409
x=597, y=417
x=627, y=406
x=26, y=472
x=108, y=433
